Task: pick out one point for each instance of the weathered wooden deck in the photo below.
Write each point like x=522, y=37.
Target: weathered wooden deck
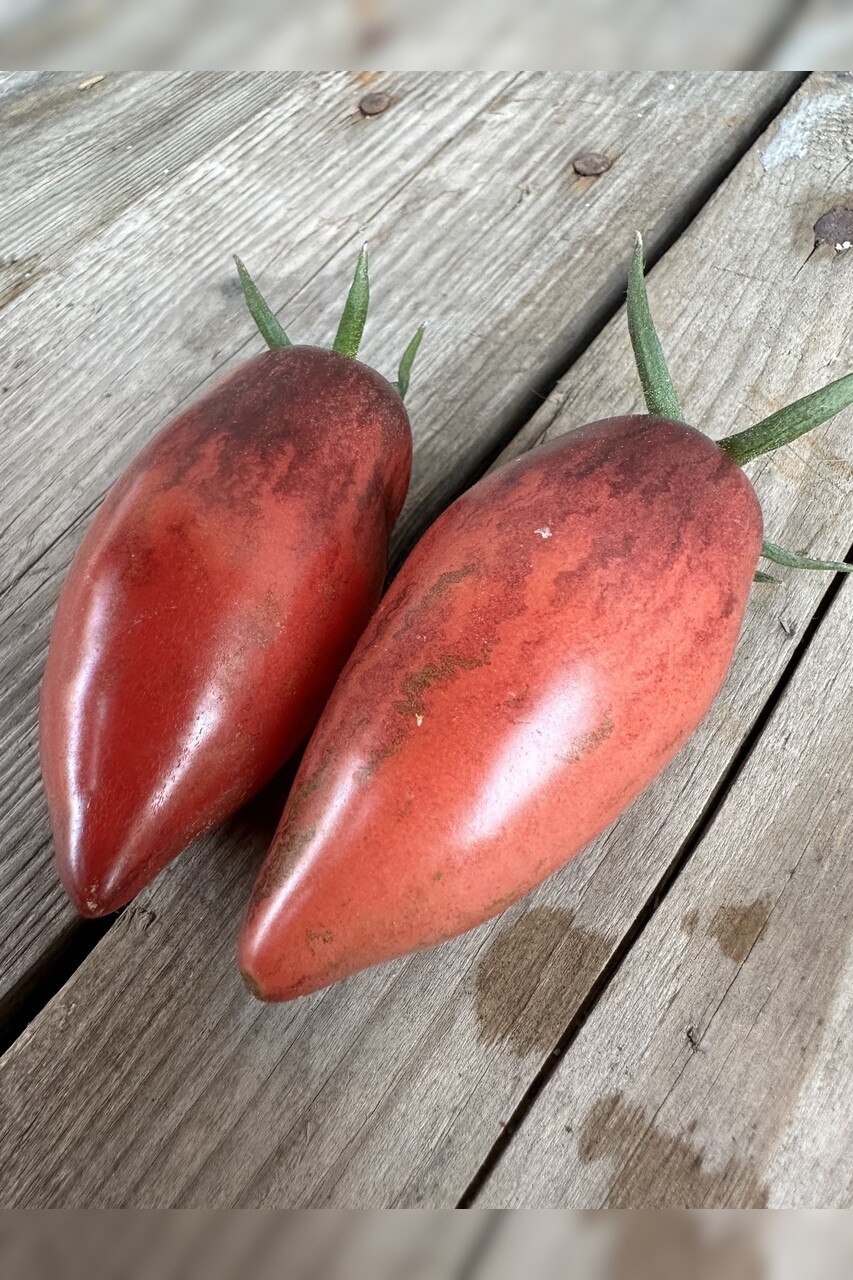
x=667, y=1021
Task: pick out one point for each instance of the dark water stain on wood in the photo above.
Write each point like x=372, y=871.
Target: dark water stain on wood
x=534, y=976
x=689, y=921
x=17, y=275
x=672, y=1245
x=736, y=928
x=663, y=1170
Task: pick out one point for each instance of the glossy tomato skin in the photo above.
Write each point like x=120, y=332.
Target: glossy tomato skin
x=210, y=608
x=550, y=643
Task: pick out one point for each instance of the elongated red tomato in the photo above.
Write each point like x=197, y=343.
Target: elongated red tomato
x=548, y=646
x=210, y=608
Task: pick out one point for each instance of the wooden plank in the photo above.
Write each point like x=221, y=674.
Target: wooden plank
x=76, y=159
x=156, y=288
x=695, y=35
x=391, y=1087
x=715, y=1072
x=287, y=1105
x=14, y=84
x=819, y=36
x=516, y=320
x=498, y=329
x=62, y=329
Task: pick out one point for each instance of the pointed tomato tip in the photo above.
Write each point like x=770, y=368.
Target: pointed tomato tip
x=90, y=896
x=91, y=904
x=272, y=970
x=252, y=986
x=247, y=964
x=87, y=901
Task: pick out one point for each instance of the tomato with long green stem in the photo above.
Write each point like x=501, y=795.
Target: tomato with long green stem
x=214, y=600
x=548, y=646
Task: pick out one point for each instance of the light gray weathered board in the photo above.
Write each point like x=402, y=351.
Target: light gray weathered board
x=392, y=1086
x=147, y=294
x=474, y=215
x=716, y=1070
x=74, y=159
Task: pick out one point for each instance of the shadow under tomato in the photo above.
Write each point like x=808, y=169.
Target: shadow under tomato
x=252, y=828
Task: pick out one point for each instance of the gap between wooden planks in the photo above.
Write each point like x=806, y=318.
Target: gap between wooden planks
x=215, y=1101
x=156, y=288
x=715, y=1071
x=228, y=1092
x=67, y=333
x=463, y=224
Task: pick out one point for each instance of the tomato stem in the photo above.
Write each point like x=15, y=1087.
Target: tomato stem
x=658, y=388
x=780, y=428
x=348, y=338
x=789, y=423
x=260, y=310
x=771, y=551
x=405, y=369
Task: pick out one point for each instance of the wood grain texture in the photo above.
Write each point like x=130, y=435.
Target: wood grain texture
x=215, y=1100
x=152, y=1079
x=465, y=190
x=472, y=225
x=156, y=290
x=76, y=159
x=75, y=399
x=716, y=1070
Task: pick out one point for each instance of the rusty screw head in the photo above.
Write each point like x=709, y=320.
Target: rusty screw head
x=589, y=164
x=835, y=228
x=373, y=104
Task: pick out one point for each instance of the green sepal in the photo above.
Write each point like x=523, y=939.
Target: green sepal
x=658, y=388
x=348, y=338
x=758, y=576
x=260, y=311
x=770, y=551
x=405, y=369
x=789, y=423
